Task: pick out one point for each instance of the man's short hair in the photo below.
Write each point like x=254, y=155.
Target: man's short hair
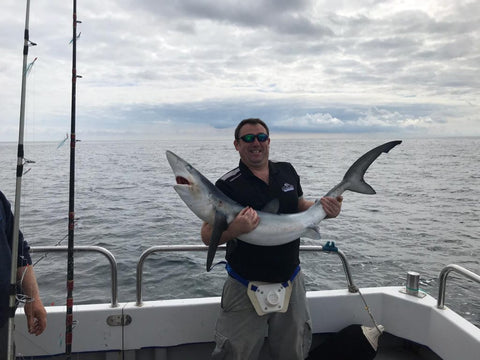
x=252, y=121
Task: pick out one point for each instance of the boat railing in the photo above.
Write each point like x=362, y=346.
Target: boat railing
x=96, y=249
x=329, y=247
x=442, y=279
x=184, y=248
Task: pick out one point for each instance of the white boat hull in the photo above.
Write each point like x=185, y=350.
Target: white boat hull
x=166, y=324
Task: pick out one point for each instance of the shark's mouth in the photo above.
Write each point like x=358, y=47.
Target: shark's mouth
x=182, y=181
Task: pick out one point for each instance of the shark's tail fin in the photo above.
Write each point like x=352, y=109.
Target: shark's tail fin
x=353, y=179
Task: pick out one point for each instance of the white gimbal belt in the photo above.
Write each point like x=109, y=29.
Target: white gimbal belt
x=267, y=297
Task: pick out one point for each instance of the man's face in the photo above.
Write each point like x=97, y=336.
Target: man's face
x=254, y=154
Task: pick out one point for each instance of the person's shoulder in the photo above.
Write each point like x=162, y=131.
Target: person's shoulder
x=3, y=201
x=231, y=175
x=281, y=165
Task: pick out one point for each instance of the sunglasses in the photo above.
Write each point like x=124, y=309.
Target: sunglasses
x=250, y=138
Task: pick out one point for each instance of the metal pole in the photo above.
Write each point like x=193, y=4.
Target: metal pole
x=71, y=209
x=89, y=248
x=442, y=280
x=18, y=191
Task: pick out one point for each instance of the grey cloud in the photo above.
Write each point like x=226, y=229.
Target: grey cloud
x=276, y=16
x=215, y=62
x=293, y=116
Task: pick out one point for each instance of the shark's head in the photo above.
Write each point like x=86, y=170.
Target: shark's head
x=202, y=197
x=192, y=187
x=184, y=172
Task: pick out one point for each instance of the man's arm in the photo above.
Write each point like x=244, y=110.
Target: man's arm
x=34, y=309
x=244, y=222
x=247, y=219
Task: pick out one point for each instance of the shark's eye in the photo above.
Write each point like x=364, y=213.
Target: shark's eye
x=182, y=181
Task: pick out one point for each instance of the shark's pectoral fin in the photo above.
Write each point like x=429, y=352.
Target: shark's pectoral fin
x=312, y=232
x=219, y=226
x=272, y=206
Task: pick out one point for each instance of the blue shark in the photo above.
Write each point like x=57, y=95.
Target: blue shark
x=211, y=205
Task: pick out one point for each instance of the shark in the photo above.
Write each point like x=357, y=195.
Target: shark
x=208, y=203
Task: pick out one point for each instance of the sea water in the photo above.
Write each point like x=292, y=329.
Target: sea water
x=424, y=216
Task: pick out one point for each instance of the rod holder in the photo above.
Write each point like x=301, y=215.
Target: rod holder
x=412, y=285
x=413, y=279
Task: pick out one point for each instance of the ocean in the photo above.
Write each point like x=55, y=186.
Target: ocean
x=424, y=216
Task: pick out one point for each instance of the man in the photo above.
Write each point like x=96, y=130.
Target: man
x=240, y=331
x=34, y=309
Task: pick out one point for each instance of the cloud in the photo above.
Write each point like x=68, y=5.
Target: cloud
x=305, y=65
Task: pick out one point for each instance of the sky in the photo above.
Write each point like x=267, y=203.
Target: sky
x=157, y=69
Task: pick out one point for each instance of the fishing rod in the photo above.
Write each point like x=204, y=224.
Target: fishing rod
x=71, y=201
x=18, y=191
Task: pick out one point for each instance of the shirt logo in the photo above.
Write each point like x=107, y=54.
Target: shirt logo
x=287, y=187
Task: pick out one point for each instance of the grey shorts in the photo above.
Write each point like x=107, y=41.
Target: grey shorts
x=240, y=333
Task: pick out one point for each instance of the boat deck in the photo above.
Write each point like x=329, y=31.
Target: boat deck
x=390, y=348
x=394, y=348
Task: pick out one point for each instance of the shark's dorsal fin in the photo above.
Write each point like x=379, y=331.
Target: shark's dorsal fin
x=219, y=226
x=272, y=207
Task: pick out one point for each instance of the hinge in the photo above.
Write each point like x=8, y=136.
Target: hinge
x=119, y=320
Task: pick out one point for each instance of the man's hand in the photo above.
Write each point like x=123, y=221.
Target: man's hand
x=246, y=220
x=332, y=206
x=34, y=309
x=36, y=316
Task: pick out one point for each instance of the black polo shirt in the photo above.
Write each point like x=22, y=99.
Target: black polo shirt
x=263, y=263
